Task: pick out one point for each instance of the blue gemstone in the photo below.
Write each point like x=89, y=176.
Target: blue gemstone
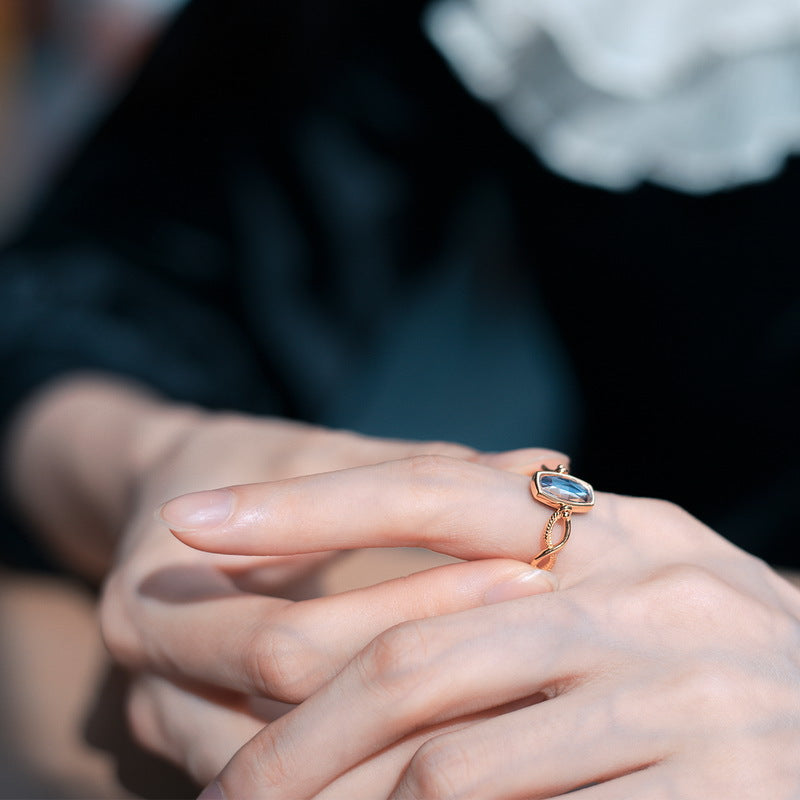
x=564, y=489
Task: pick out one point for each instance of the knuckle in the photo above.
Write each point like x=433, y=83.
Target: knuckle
x=393, y=665
x=267, y=761
x=685, y=595
x=435, y=480
x=437, y=771
x=449, y=450
x=432, y=467
x=670, y=522
x=117, y=631
x=711, y=691
x=667, y=509
x=279, y=664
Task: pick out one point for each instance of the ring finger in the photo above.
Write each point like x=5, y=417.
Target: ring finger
x=414, y=676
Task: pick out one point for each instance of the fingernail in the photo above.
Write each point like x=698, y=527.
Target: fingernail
x=536, y=581
x=212, y=792
x=199, y=510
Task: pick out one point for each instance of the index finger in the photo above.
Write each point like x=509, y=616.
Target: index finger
x=445, y=504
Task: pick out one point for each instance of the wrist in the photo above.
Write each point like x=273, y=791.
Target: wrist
x=75, y=455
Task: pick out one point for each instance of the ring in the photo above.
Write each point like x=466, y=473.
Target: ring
x=568, y=495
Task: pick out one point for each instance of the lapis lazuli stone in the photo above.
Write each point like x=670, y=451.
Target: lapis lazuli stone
x=564, y=489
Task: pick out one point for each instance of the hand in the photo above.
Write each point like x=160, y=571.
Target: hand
x=667, y=667
x=89, y=460
x=216, y=629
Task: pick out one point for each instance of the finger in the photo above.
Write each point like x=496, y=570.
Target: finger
x=271, y=574
x=651, y=783
x=377, y=776
x=449, y=505
x=573, y=740
x=408, y=678
x=354, y=450
x=196, y=733
x=357, y=450
x=208, y=631
x=373, y=451
x=525, y=461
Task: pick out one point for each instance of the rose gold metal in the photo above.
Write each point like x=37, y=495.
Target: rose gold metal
x=546, y=559
x=541, y=496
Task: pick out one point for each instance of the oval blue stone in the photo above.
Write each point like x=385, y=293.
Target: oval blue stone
x=564, y=489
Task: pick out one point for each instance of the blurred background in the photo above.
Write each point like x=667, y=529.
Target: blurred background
x=61, y=63
x=649, y=256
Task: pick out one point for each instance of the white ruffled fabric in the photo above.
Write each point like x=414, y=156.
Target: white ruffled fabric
x=695, y=95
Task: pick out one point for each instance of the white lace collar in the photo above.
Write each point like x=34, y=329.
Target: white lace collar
x=696, y=95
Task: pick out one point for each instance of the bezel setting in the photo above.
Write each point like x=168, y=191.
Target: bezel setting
x=542, y=494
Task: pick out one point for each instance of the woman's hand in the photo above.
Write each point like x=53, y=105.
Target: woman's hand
x=668, y=665
x=232, y=622
x=91, y=460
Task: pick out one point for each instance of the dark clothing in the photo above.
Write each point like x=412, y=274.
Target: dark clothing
x=297, y=210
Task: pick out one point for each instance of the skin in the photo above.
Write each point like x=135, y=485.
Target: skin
x=665, y=666
x=90, y=460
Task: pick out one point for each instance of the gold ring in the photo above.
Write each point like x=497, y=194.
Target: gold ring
x=568, y=495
